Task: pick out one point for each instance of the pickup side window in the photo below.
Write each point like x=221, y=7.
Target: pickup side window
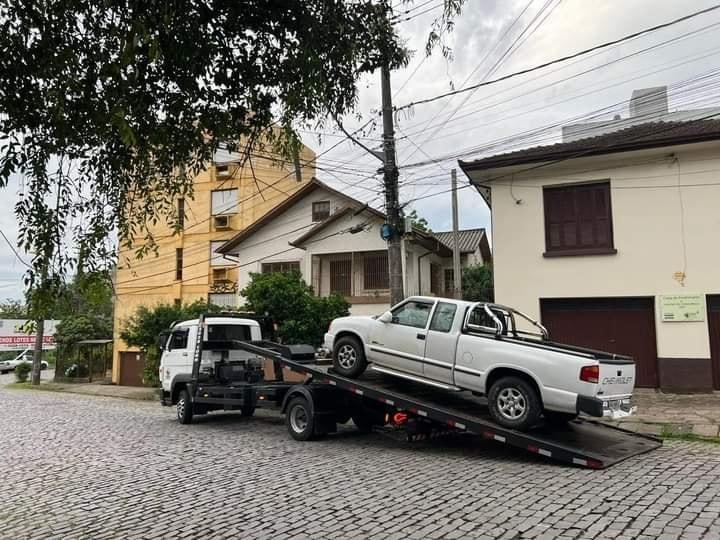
x=443, y=317
x=413, y=314
x=480, y=319
x=178, y=339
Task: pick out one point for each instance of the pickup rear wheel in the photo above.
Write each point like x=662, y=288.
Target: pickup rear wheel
x=514, y=403
x=349, y=357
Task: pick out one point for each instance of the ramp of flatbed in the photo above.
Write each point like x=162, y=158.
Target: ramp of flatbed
x=581, y=442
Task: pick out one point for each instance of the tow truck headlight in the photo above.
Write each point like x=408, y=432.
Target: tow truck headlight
x=590, y=374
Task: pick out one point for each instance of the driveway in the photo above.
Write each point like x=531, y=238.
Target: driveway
x=90, y=467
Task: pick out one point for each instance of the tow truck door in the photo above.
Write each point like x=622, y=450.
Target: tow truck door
x=440, y=343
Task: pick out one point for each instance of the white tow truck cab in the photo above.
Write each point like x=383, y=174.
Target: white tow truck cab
x=179, y=342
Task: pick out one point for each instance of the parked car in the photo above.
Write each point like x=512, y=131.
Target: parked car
x=25, y=356
x=488, y=349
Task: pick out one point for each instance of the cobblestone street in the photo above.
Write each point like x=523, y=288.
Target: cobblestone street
x=89, y=467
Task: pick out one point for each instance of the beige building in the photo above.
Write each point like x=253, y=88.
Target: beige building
x=614, y=242
x=227, y=198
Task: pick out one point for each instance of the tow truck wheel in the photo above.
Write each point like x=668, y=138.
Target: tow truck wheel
x=299, y=419
x=184, y=407
x=514, y=403
x=349, y=357
x=247, y=411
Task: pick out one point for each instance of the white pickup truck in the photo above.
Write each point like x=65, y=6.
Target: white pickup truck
x=485, y=348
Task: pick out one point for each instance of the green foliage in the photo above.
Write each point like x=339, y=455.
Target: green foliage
x=13, y=309
x=22, y=371
x=477, y=283
x=419, y=222
x=143, y=329
x=110, y=109
x=300, y=316
x=84, y=308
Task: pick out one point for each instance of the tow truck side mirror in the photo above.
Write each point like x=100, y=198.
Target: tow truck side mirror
x=385, y=317
x=162, y=340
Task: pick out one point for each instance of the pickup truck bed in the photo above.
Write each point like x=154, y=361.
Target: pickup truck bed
x=582, y=442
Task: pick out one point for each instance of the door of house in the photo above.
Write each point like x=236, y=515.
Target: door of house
x=341, y=276
x=713, y=310
x=131, y=368
x=616, y=325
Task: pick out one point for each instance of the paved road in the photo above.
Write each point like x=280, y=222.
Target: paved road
x=88, y=467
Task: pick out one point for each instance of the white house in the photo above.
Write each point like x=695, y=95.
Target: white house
x=334, y=241
x=614, y=242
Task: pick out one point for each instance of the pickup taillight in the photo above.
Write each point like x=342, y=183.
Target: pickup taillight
x=590, y=374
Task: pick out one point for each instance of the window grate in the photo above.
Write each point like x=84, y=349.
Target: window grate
x=341, y=277
x=376, y=273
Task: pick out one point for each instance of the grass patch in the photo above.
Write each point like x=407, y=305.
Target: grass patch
x=669, y=432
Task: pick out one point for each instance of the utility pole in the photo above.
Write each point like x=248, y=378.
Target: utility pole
x=392, y=205
x=457, y=276
x=39, y=331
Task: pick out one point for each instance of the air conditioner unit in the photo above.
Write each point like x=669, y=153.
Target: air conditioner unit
x=222, y=171
x=221, y=222
x=219, y=274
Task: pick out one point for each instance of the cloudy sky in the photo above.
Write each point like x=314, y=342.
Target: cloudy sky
x=493, y=38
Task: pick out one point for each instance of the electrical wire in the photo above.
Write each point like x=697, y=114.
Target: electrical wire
x=561, y=59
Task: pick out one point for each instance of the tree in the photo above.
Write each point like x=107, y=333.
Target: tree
x=143, y=329
x=477, y=283
x=110, y=109
x=13, y=309
x=419, y=222
x=301, y=316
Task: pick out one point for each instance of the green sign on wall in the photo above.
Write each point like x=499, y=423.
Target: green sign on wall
x=682, y=307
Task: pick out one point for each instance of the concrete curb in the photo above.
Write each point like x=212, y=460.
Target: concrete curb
x=670, y=429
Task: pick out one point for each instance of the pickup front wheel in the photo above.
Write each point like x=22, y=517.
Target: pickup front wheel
x=514, y=403
x=349, y=357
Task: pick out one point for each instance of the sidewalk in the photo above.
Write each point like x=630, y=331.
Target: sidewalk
x=674, y=414
x=91, y=389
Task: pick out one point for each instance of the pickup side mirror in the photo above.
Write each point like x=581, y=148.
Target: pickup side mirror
x=385, y=317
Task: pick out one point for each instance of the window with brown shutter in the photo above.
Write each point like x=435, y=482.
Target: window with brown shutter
x=578, y=220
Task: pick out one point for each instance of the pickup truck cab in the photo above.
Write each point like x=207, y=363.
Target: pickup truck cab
x=485, y=348
x=178, y=347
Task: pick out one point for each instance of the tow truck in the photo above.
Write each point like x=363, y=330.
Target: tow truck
x=315, y=407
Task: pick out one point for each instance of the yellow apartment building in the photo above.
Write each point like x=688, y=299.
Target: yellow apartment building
x=227, y=198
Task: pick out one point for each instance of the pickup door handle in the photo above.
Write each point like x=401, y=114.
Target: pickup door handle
x=421, y=336
x=184, y=354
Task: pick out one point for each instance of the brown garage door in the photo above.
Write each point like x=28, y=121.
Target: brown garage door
x=713, y=305
x=618, y=325
x=131, y=368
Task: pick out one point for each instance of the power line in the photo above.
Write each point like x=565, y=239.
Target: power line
x=17, y=255
x=562, y=59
